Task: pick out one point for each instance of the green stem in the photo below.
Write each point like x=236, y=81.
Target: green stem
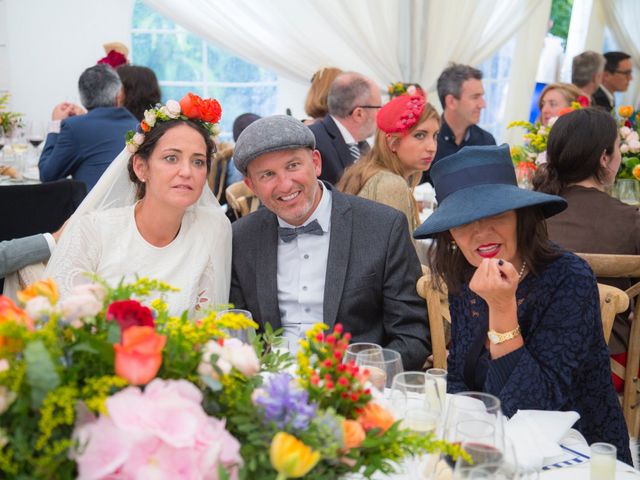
x=281, y=476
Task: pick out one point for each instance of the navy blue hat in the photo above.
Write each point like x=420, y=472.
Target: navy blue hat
x=479, y=182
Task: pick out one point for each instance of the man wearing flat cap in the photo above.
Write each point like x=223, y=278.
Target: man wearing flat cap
x=317, y=255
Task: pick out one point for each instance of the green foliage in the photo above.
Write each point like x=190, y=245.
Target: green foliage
x=8, y=120
x=561, y=16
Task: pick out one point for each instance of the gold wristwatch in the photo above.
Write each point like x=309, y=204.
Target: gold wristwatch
x=497, y=338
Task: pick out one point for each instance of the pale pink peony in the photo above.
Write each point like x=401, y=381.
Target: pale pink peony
x=160, y=433
x=78, y=306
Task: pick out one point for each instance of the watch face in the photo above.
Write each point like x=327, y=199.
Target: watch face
x=493, y=337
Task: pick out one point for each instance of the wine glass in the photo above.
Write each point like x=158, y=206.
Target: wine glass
x=628, y=191
x=19, y=146
x=280, y=345
x=410, y=402
x=245, y=335
x=353, y=349
x=383, y=365
x=439, y=376
x=35, y=136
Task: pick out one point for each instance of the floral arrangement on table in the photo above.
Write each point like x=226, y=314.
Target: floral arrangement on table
x=206, y=111
x=100, y=386
x=8, y=120
x=398, y=88
x=533, y=152
x=629, y=128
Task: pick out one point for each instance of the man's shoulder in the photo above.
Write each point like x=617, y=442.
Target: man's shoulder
x=480, y=136
x=325, y=128
x=114, y=114
x=248, y=226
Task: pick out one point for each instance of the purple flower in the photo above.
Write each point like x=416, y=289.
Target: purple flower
x=286, y=404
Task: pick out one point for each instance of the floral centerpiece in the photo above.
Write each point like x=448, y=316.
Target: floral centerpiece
x=399, y=88
x=629, y=128
x=8, y=120
x=101, y=386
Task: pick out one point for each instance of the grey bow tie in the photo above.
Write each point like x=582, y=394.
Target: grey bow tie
x=288, y=234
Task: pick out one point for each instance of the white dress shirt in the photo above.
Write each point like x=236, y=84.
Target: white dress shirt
x=302, y=268
x=346, y=135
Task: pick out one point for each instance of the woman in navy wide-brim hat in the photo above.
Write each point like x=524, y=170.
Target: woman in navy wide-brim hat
x=525, y=315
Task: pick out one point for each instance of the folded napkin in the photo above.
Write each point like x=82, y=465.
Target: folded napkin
x=536, y=434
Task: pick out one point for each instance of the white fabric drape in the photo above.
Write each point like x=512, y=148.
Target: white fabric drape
x=623, y=18
x=388, y=40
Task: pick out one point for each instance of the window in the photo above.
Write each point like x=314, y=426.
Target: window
x=185, y=63
x=495, y=79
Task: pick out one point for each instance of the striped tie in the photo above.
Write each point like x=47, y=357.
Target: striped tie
x=355, y=151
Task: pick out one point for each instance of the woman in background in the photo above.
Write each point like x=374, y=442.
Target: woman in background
x=141, y=89
x=405, y=145
x=555, y=97
x=315, y=104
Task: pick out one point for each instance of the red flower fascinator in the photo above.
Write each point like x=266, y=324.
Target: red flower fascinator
x=401, y=113
x=114, y=59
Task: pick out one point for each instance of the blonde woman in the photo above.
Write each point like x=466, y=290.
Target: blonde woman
x=555, y=97
x=315, y=104
x=405, y=145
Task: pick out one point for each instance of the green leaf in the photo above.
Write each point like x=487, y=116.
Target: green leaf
x=113, y=332
x=213, y=384
x=41, y=372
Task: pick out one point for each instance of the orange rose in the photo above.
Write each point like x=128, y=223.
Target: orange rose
x=374, y=416
x=353, y=434
x=190, y=105
x=144, y=126
x=565, y=110
x=9, y=312
x=45, y=288
x=139, y=357
x=625, y=111
x=636, y=172
x=210, y=110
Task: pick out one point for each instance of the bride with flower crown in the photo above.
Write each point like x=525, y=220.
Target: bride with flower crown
x=152, y=214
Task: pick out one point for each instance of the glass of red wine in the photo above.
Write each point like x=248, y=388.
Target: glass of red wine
x=35, y=136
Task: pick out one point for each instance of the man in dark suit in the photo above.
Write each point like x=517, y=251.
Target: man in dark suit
x=316, y=255
x=353, y=103
x=618, y=73
x=462, y=98
x=586, y=72
x=86, y=144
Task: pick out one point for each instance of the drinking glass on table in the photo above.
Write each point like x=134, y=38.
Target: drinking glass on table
x=383, y=365
x=628, y=191
x=280, y=345
x=3, y=139
x=19, y=146
x=353, y=349
x=439, y=376
x=35, y=137
x=245, y=335
x=465, y=406
x=410, y=402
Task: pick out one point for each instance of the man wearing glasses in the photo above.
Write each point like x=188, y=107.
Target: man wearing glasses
x=616, y=78
x=353, y=102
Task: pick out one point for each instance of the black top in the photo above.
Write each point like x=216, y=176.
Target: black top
x=447, y=143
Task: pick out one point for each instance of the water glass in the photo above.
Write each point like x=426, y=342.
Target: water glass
x=280, y=345
x=410, y=401
x=603, y=461
x=628, y=191
x=472, y=406
x=245, y=335
x=439, y=393
x=355, y=348
x=383, y=365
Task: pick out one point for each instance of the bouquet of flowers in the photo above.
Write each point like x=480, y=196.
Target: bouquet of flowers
x=8, y=120
x=398, y=88
x=100, y=386
x=629, y=128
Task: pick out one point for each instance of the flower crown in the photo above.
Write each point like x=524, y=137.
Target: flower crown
x=205, y=111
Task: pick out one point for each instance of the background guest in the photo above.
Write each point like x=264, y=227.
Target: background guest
x=586, y=72
x=341, y=136
x=555, y=97
x=86, y=144
x=141, y=89
x=525, y=316
x=401, y=152
x=315, y=105
x=618, y=73
x=583, y=156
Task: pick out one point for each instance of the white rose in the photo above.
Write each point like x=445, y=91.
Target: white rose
x=173, y=109
x=138, y=138
x=150, y=117
x=4, y=365
x=38, y=307
x=624, y=148
x=244, y=359
x=94, y=289
x=634, y=146
x=624, y=131
x=633, y=137
x=79, y=306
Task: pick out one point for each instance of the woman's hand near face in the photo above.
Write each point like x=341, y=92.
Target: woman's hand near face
x=495, y=283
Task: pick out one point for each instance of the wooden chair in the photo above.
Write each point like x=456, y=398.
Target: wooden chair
x=241, y=199
x=612, y=301
x=439, y=316
x=625, y=266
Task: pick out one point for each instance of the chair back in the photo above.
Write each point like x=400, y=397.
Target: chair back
x=612, y=301
x=241, y=199
x=439, y=316
x=625, y=266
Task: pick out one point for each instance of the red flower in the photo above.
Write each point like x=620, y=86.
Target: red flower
x=190, y=105
x=113, y=59
x=144, y=126
x=210, y=110
x=343, y=381
x=129, y=313
x=583, y=101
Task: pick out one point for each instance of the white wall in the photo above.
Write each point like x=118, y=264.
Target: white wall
x=50, y=42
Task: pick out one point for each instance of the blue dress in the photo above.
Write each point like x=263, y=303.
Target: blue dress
x=564, y=363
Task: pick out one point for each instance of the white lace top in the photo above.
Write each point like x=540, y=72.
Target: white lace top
x=197, y=261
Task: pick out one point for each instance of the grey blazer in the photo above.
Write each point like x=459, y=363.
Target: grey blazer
x=370, y=285
x=18, y=253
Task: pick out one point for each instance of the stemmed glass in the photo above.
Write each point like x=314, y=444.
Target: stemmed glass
x=35, y=137
x=245, y=335
x=439, y=393
x=353, y=349
x=3, y=139
x=19, y=146
x=628, y=191
x=410, y=401
x=383, y=365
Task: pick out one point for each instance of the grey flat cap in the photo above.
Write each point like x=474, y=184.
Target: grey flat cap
x=271, y=134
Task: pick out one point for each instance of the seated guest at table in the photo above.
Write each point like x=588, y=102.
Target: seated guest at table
x=555, y=97
x=316, y=255
x=525, y=315
x=404, y=147
x=583, y=157
x=586, y=72
x=86, y=144
x=140, y=89
x=151, y=214
x=20, y=252
x=315, y=105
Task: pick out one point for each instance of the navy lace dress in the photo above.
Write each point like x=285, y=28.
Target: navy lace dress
x=564, y=363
